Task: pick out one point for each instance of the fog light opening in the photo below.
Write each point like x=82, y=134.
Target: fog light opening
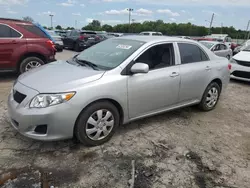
x=41, y=129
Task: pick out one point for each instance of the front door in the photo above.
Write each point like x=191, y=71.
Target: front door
x=157, y=89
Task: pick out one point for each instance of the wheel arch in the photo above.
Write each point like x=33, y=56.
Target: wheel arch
x=112, y=101
x=30, y=54
x=218, y=81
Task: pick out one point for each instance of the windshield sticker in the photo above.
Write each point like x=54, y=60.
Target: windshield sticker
x=125, y=47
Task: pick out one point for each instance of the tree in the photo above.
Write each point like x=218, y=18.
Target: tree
x=45, y=27
x=107, y=28
x=28, y=19
x=70, y=28
x=58, y=27
x=96, y=24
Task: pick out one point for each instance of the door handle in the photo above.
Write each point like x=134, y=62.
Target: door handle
x=208, y=68
x=174, y=74
x=14, y=42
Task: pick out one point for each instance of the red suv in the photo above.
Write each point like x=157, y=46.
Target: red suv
x=23, y=46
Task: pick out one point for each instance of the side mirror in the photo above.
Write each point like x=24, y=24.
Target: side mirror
x=139, y=68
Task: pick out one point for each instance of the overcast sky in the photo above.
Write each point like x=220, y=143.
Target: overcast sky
x=229, y=12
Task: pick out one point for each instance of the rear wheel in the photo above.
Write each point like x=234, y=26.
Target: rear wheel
x=97, y=123
x=30, y=63
x=210, y=97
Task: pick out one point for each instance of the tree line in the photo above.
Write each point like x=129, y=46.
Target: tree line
x=172, y=29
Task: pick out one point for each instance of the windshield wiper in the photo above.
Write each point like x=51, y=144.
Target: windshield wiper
x=85, y=62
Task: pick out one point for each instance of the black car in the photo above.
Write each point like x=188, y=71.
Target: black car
x=79, y=40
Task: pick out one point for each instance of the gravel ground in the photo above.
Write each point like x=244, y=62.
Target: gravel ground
x=184, y=148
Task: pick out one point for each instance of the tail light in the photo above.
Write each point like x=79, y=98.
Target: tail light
x=50, y=43
x=229, y=66
x=81, y=37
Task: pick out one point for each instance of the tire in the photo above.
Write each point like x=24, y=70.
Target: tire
x=206, y=105
x=76, y=47
x=27, y=62
x=97, y=125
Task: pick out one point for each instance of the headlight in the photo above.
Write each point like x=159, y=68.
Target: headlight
x=46, y=100
x=233, y=61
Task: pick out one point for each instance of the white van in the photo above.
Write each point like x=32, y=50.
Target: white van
x=151, y=33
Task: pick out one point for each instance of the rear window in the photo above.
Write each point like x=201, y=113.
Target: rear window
x=34, y=30
x=88, y=33
x=156, y=34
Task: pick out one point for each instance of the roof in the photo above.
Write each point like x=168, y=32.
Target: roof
x=14, y=20
x=211, y=42
x=150, y=32
x=153, y=38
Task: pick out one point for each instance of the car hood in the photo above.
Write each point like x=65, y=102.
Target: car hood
x=242, y=56
x=59, y=76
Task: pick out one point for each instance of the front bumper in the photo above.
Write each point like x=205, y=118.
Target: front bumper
x=240, y=72
x=58, y=119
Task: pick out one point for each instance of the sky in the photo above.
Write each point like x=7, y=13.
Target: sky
x=80, y=12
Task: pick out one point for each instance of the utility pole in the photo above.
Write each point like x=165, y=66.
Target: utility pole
x=211, y=22
x=221, y=31
x=51, y=20
x=75, y=24
x=247, y=35
x=129, y=14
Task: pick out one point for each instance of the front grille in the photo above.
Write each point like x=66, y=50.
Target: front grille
x=241, y=74
x=18, y=97
x=243, y=63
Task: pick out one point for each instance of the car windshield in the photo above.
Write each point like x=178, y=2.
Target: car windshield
x=246, y=49
x=208, y=44
x=108, y=58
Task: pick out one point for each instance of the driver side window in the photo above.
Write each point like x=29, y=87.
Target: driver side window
x=158, y=56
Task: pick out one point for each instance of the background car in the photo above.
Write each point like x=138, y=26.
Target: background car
x=23, y=46
x=61, y=33
x=151, y=33
x=79, y=40
x=57, y=40
x=241, y=65
x=241, y=47
x=220, y=49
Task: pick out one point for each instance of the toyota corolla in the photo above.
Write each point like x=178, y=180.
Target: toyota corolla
x=114, y=82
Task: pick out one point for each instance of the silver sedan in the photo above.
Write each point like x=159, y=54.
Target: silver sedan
x=220, y=49
x=114, y=82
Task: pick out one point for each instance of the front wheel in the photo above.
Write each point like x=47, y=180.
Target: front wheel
x=97, y=123
x=210, y=97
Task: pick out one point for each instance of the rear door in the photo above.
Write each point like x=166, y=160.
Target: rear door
x=218, y=50
x=195, y=71
x=10, y=41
